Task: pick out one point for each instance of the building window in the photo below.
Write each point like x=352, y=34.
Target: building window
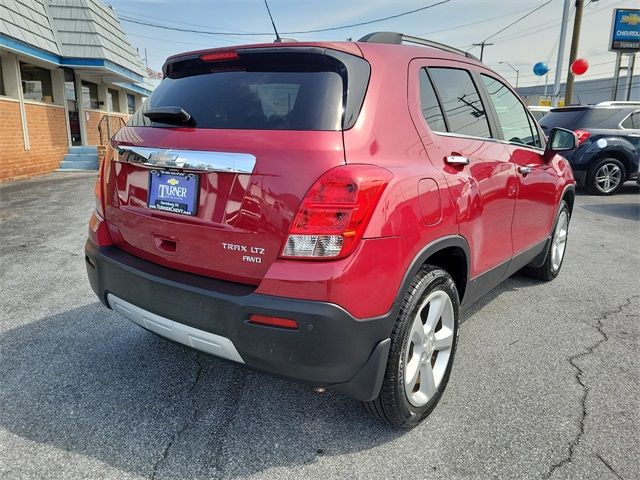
x=131, y=104
x=113, y=100
x=90, y=95
x=36, y=83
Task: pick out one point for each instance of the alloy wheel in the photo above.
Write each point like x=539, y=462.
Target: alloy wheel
x=428, y=349
x=559, y=241
x=608, y=177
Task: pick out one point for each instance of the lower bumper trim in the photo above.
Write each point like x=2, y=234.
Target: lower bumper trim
x=199, y=339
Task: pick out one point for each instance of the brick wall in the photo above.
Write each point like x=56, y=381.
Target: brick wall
x=11, y=142
x=93, y=119
x=47, y=136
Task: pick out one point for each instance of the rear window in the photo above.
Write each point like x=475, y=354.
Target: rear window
x=601, y=118
x=258, y=92
x=561, y=119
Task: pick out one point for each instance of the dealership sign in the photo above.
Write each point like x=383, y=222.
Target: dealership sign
x=625, y=30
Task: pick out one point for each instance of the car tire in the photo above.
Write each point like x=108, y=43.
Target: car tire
x=606, y=177
x=423, y=343
x=556, y=249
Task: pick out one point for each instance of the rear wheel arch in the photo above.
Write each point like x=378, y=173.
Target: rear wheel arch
x=569, y=196
x=618, y=155
x=450, y=253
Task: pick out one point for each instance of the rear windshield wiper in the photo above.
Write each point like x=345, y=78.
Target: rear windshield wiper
x=175, y=115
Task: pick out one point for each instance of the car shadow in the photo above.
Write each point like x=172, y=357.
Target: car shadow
x=89, y=382
x=515, y=282
x=629, y=188
x=627, y=211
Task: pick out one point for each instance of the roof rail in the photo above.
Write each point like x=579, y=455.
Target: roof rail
x=399, y=38
x=617, y=103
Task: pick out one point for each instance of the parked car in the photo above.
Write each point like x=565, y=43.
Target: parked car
x=539, y=111
x=608, y=152
x=322, y=211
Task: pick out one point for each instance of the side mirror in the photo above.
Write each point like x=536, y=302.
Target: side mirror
x=561, y=140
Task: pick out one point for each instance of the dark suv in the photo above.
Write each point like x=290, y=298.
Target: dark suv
x=321, y=211
x=608, y=150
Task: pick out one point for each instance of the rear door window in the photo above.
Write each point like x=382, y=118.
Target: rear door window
x=431, y=110
x=460, y=101
x=632, y=122
x=512, y=114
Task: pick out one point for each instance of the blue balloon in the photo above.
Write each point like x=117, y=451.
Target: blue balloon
x=540, y=69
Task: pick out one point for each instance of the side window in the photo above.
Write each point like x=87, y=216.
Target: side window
x=632, y=121
x=461, y=104
x=534, y=132
x=516, y=123
x=429, y=105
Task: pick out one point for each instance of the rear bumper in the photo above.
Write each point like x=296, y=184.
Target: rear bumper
x=330, y=349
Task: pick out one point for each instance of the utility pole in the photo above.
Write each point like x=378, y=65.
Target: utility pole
x=482, y=45
x=563, y=40
x=573, y=54
x=515, y=70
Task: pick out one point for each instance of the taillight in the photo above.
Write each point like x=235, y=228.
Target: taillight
x=335, y=212
x=99, y=196
x=99, y=187
x=582, y=136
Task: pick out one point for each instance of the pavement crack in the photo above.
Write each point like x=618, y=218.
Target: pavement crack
x=579, y=377
x=189, y=421
x=232, y=407
x=611, y=469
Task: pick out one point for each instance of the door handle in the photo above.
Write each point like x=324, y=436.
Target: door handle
x=457, y=160
x=524, y=170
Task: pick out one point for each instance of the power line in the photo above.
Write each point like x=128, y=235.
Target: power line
x=317, y=30
x=518, y=20
x=472, y=24
x=485, y=42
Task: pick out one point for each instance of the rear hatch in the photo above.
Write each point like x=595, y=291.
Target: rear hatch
x=567, y=117
x=208, y=175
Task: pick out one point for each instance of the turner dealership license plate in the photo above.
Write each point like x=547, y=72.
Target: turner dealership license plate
x=173, y=192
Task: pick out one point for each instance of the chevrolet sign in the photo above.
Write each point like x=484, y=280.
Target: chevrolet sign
x=625, y=30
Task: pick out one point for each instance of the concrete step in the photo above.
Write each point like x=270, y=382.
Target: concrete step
x=80, y=157
x=79, y=165
x=83, y=150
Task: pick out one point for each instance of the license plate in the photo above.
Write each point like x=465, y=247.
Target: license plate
x=173, y=192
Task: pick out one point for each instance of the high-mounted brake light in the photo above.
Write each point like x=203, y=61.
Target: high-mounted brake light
x=219, y=56
x=335, y=212
x=582, y=136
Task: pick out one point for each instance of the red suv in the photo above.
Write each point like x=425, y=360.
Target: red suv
x=321, y=211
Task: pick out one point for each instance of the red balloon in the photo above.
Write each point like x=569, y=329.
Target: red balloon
x=579, y=66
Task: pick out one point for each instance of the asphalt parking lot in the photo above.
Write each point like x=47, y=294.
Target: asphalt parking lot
x=546, y=382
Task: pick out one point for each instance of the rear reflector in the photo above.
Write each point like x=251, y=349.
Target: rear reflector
x=273, y=321
x=219, y=56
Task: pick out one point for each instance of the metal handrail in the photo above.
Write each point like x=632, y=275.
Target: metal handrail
x=105, y=129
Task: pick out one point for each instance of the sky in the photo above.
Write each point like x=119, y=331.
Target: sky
x=459, y=23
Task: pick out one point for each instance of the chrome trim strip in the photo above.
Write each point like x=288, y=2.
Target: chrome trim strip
x=192, y=337
x=200, y=160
